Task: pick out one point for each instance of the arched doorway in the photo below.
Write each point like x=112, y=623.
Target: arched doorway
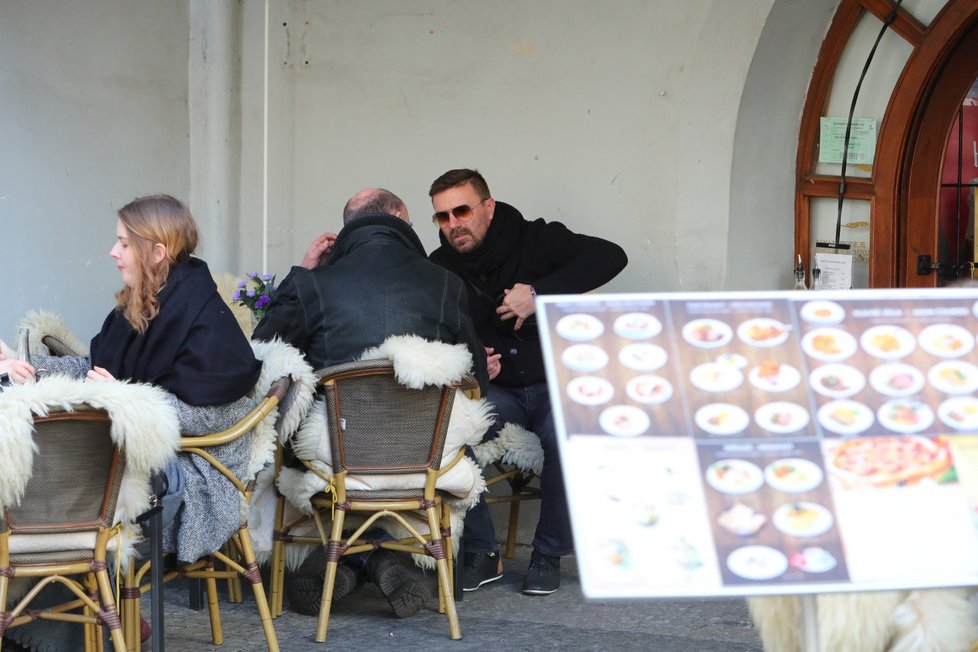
x=903, y=189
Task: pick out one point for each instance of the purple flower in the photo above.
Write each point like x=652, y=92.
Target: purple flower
x=267, y=277
x=251, y=294
x=236, y=296
x=242, y=284
x=252, y=274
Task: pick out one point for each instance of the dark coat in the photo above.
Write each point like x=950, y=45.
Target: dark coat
x=377, y=282
x=193, y=348
x=546, y=255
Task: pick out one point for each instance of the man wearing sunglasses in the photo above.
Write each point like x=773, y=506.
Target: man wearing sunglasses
x=506, y=261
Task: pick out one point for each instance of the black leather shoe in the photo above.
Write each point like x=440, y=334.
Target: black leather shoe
x=480, y=568
x=305, y=592
x=543, y=576
x=405, y=595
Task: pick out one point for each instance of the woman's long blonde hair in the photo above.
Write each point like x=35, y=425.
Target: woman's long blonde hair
x=152, y=220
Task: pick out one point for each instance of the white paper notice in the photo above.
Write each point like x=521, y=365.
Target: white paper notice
x=836, y=271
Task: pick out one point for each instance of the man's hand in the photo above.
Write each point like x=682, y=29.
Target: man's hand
x=100, y=375
x=493, y=365
x=17, y=370
x=318, y=251
x=519, y=302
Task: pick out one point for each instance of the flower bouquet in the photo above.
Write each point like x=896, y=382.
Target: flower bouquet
x=258, y=297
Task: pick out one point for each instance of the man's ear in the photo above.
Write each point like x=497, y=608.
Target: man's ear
x=491, y=206
x=159, y=253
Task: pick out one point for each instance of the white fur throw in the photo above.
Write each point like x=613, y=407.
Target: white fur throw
x=42, y=323
x=278, y=360
x=143, y=424
x=417, y=363
x=935, y=620
x=514, y=445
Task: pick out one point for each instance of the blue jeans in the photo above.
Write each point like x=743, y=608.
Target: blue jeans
x=528, y=407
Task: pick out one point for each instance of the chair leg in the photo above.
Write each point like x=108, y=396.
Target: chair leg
x=254, y=578
x=107, y=603
x=276, y=579
x=514, y=525
x=234, y=582
x=130, y=607
x=329, y=577
x=213, y=607
x=444, y=584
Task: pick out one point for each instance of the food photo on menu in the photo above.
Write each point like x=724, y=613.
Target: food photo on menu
x=617, y=371
x=643, y=505
x=772, y=512
x=744, y=368
x=882, y=368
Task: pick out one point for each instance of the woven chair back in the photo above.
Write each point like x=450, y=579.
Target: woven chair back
x=76, y=476
x=378, y=426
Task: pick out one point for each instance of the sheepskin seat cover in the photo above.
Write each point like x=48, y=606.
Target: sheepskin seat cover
x=417, y=363
x=143, y=424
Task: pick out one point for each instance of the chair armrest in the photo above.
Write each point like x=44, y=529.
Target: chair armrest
x=275, y=394
x=469, y=385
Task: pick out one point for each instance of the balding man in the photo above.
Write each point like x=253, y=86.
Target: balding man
x=374, y=281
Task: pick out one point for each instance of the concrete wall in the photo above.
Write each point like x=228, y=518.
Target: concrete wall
x=617, y=118
x=668, y=127
x=93, y=112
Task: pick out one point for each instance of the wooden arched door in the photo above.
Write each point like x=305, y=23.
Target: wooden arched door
x=903, y=191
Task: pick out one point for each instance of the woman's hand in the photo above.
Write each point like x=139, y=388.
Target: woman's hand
x=100, y=375
x=17, y=370
x=7, y=353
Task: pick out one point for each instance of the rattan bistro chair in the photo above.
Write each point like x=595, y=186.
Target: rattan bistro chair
x=379, y=427
x=63, y=466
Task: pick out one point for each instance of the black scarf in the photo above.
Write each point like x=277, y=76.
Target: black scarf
x=193, y=348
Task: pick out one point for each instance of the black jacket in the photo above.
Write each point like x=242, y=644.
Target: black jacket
x=376, y=283
x=546, y=255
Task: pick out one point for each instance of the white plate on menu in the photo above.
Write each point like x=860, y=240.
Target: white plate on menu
x=590, y=390
x=707, y=333
x=837, y=380
x=643, y=357
x=960, y=413
x=823, y=312
x=624, y=421
x=735, y=477
x=650, y=390
x=579, y=327
x=793, y=475
x=757, y=562
x=829, y=344
x=946, y=340
x=888, y=342
x=637, y=326
x=722, y=419
x=896, y=379
x=762, y=332
x=781, y=417
x=584, y=357
x=715, y=377
x=954, y=377
x=845, y=417
x=802, y=519
x=905, y=415
x=771, y=376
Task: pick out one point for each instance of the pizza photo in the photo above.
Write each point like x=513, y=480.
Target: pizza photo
x=889, y=461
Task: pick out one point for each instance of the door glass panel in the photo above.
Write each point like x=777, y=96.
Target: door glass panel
x=923, y=10
x=874, y=95
x=854, y=231
x=956, y=210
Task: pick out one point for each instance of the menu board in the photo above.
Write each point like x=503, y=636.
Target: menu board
x=722, y=444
